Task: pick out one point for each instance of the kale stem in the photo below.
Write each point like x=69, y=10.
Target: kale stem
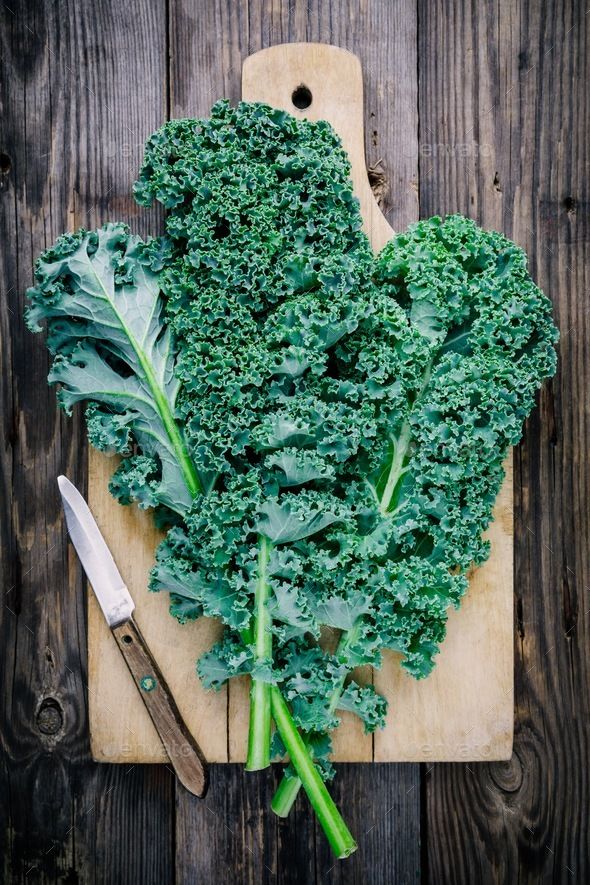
x=259, y=725
x=286, y=792
x=339, y=836
x=396, y=468
x=401, y=447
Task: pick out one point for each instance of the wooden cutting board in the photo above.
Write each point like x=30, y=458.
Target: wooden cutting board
x=464, y=710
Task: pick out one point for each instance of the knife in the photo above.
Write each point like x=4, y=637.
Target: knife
x=117, y=606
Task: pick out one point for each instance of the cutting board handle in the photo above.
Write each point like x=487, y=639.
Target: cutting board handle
x=320, y=82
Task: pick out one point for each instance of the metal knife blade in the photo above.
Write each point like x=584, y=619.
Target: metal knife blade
x=96, y=558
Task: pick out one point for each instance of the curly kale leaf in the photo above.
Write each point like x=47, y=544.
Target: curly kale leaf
x=267, y=266
x=451, y=355
x=479, y=373
x=228, y=658
x=208, y=564
x=365, y=703
x=105, y=328
x=299, y=516
x=442, y=409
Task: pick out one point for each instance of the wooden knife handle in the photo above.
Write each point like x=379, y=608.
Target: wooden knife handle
x=183, y=751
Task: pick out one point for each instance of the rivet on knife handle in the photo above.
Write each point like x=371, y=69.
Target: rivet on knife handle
x=183, y=751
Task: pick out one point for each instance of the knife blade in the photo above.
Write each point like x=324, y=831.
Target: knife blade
x=117, y=606
x=96, y=558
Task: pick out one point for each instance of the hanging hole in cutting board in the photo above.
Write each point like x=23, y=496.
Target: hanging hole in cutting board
x=301, y=97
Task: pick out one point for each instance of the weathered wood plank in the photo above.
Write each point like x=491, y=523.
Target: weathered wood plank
x=382, y=806
x=82, y=84
x=504, y=138
x=232, y=837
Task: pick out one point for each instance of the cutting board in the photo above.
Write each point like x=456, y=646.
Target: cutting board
x=464, y=710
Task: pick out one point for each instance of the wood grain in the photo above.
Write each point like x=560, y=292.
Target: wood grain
x=504, y=114
x=245, y=844
x=66, y=157
x=72, y=115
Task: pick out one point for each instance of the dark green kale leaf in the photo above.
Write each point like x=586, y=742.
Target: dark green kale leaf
x=266, y=271
x=103, y=308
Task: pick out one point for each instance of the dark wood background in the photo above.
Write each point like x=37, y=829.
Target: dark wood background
x=475, y=107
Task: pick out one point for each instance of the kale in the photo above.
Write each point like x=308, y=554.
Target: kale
x=325, y=429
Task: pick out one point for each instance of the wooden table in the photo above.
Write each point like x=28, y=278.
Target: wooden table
x=498, y=95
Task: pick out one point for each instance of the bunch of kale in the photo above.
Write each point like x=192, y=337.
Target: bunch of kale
x=323, y=430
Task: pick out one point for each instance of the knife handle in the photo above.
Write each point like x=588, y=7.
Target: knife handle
x=183, y=751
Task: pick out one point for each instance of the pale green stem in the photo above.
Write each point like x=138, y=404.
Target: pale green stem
x=397, y=467
x=286, y=792
x=259, y=725
x=339, y=836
